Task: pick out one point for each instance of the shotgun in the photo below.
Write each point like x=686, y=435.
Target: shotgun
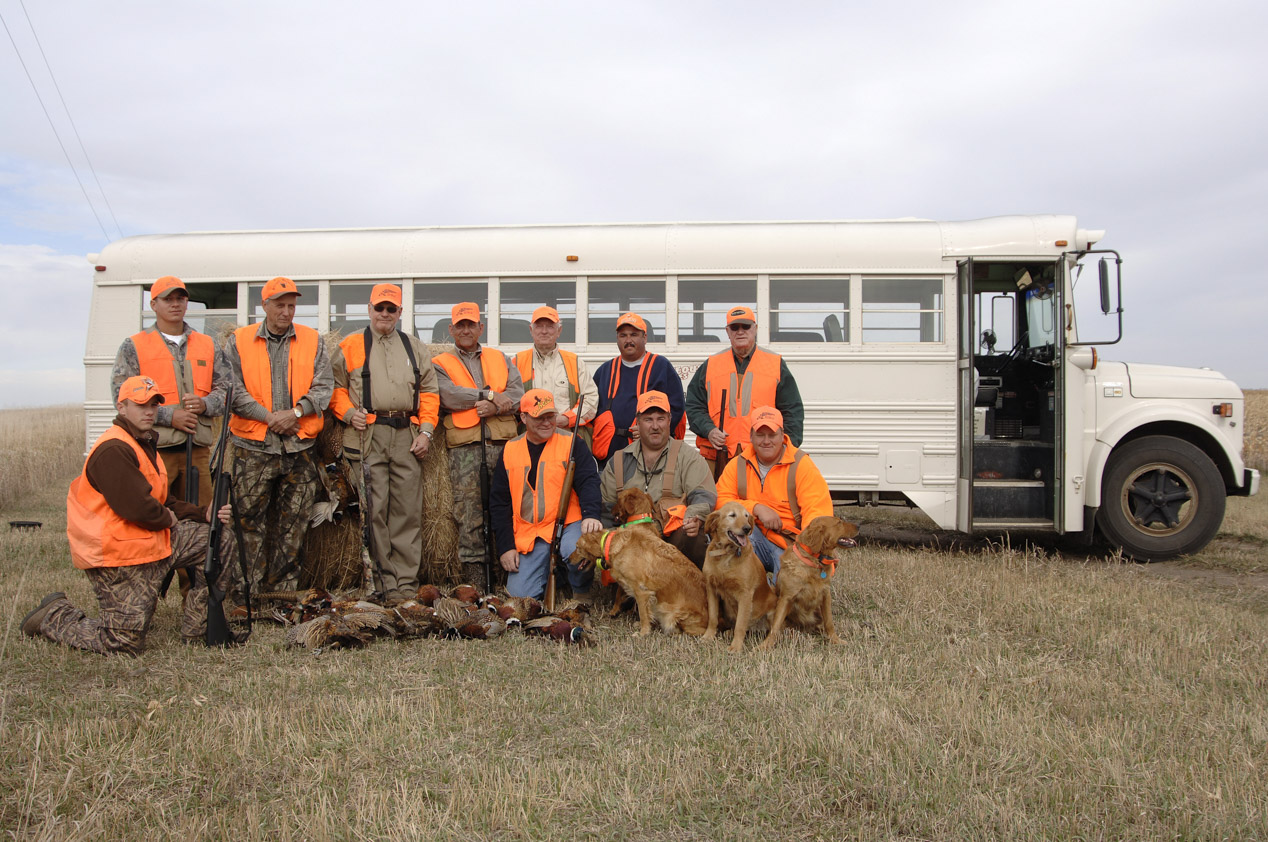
x=721, y=456
x=555, y=557
x=191, y=496
x=486, y=483
x=218, y=633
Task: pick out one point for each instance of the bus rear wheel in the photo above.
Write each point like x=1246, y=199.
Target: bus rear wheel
x=1161, y=497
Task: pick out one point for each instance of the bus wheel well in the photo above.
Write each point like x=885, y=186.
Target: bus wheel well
x=1196, y=436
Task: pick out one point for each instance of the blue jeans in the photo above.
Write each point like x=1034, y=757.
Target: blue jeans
x=767, y=551
x=530, y=579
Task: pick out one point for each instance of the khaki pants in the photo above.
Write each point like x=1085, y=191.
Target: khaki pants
x=396, y=508
x=174, y=461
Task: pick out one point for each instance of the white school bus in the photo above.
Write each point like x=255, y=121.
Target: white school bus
x=942, y=364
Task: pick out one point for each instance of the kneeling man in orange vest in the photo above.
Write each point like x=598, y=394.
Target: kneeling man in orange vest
x=777, y=483
x=526, y=492
x=126, y=532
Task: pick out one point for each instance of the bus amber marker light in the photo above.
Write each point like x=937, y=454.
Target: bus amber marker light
x=1223, y=410
x=572, y=258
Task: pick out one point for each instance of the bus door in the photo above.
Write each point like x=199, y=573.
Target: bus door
x=1011, y=395
x=967, y=389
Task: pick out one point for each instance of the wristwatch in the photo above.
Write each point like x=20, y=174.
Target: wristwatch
x=299, y=413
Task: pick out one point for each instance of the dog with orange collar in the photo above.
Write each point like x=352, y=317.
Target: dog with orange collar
x=805, y=575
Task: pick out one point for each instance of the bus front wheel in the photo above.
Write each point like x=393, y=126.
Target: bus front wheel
x=1161, y=497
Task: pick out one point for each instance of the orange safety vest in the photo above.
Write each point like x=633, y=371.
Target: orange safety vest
x=534, y=509
x=524, y=362
x=156, y=362
x=743, y=394
x=492, y=367
x=353, y=348
x=98, y=536
x=257, y=375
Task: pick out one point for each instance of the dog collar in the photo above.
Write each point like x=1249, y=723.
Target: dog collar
x=646, y=517
x=607, y=548
x=827, y=564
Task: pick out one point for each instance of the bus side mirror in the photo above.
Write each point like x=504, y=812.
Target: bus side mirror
x=1103, y=270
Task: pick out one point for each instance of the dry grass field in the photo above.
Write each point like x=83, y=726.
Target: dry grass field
x=1001, y=692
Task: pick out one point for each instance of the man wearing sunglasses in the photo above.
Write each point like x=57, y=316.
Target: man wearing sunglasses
x=750, y=377
x=387, y=397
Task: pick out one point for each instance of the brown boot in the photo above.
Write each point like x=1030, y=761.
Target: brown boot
x=31, y=622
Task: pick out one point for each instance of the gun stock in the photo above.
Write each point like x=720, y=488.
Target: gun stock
x=562, y=515
x=486, y=483
x=218, y=633
x=721, y=456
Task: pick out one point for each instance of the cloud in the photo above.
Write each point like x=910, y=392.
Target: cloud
x=237, y=115
x=45, y=319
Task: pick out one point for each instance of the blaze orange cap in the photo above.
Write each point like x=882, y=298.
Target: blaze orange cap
x=467, y=310
x=139, y=389
x=767, y=416
x=278, y=286
x=652, y=400
x=165, y=285
x=546, y=313
x=740, y=314
x=536, y=403
x=385, y=292
x=632, y=319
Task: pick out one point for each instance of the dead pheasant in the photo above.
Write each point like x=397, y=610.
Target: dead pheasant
x=465, y=593
x=348, y=623
x=414, y=619
x=521, y=608
x=428, y=594
x=561, y=630
x=482, y=625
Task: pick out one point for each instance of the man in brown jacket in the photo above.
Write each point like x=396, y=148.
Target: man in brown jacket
x=126, y=533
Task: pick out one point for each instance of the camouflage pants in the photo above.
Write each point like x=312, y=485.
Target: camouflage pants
x=468, y=509
x=128, y=595
x=275, y=494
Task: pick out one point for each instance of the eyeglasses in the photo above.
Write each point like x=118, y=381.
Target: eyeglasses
x=738, y=328
x=385, y=308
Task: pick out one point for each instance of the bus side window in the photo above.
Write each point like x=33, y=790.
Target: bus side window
x=702, y=306
x=433, y=301
x=521, y=298
x=902, y=310
x=810, y=309
x=610, y=299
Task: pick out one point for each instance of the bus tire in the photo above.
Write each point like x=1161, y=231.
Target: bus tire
x=1161, y=497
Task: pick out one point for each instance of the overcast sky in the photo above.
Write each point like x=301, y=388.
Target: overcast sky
x=1146, y=119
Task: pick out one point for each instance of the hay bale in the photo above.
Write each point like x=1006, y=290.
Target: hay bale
x=440, y=530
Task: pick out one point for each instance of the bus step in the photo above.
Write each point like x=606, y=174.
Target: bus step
x=1011, y=499
x=1035, y=524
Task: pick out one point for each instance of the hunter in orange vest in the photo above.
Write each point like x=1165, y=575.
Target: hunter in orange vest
x=283, y=385
x=192, y=374
x=386, y=396
x=479, y=392
x=778, y=483
x=749, y=377
x=525, y=497
x=126, y=533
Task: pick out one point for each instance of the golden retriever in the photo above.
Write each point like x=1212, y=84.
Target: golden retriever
x=805, y=574
x=734, y=576
x=663, y=582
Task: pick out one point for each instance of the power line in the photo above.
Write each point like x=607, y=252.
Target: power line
x=48, y=117
x=74, y=128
